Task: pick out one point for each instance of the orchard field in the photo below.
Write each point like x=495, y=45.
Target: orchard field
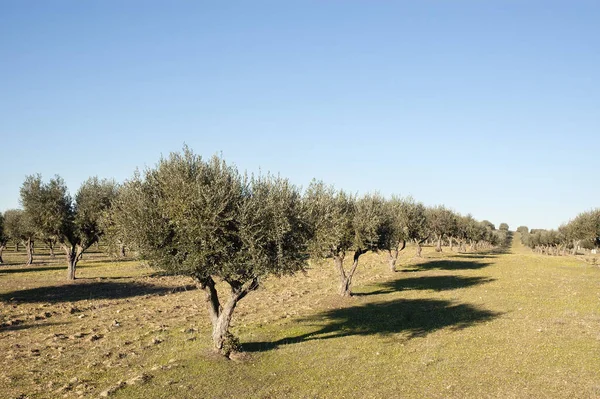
x=507, y=323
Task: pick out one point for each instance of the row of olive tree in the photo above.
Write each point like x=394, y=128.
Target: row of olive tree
x=206, y=220
x=51, y=215
x=582, y=231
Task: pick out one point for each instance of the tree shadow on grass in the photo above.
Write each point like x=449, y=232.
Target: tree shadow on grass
x=415, y=317
x=27, y=269
x=89, y=290
x=447, y=265
x=436, y=283
x=27, y=326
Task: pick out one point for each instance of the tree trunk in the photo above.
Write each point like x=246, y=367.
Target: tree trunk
x=439, y=244
x=393, y=255
x=224, y=342
x=575, y=245
x=1, y=249
x=51, y=246
x=346, y=278
x=121, y=250
x=73, y=253
x=419, y=249
x=450, y=244
x=29, y=247
x=17, y=246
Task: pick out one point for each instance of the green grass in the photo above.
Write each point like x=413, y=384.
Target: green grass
x=450, y=325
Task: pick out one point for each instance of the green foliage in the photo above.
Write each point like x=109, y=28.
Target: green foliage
x=330, y=216
x=16, y=226
x=441, y=221
x=203, y=219
x=523, y=229
x=92, y=200
x=393, y=228
x=3, y=236
x=415, y=218
x=48, y=207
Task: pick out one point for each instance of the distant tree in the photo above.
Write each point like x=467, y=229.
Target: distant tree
x=523, y=229
x=3, y=237
x=417, y=229
x=341, y=223
x=17, y=228
x=393, y=230
x=503, y=226
x=487, y=224
x=441, y=222
x=73, y=224
x=203, y=219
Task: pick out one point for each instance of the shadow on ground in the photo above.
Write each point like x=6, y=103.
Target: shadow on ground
x=447, y=265
x=27, y=269
x=88, y=290
x=436, y=283
x=416, y=317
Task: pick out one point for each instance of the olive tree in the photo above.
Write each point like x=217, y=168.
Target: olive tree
x=441, y=222
x=415, y=219
x=393, y=230
x=205, y=220
x=3, y=237
x=73, y=224
x=341, y=223
x=17, y=228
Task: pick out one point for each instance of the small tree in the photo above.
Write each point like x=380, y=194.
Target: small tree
x=393, y=230
x=342, y=223
x=3, y=237
x=205, y=220
x=523, y=229
x=441, y=223
x=18, y=229
x=74, y=225
x=503, y=227
x=415, y=218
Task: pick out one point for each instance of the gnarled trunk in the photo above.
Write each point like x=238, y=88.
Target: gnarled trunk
x=223, y=341
x=29, y=247
x=73, y=253
x=438, y=248
x=346, y=278
x=393, y=255
x=419, y=248
x=450, y=242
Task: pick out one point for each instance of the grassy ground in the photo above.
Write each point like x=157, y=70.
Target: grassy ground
x=449, y=325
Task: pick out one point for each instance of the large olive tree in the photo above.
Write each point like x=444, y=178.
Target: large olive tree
x=342, y=223
x=205, y=220
x=73, y=224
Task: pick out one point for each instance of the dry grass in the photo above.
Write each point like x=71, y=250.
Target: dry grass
x=449, y=325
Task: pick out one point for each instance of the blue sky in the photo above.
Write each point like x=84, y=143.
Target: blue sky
x=488, y=107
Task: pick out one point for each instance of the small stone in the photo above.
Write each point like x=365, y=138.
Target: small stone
x=156, y=341
x=140, y=379
x=74, y=380
x=81, y=316
x=95, y=337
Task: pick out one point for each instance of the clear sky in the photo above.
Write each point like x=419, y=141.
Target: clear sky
x=488, y=107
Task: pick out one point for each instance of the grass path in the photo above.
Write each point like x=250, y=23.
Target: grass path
x=506, y=325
